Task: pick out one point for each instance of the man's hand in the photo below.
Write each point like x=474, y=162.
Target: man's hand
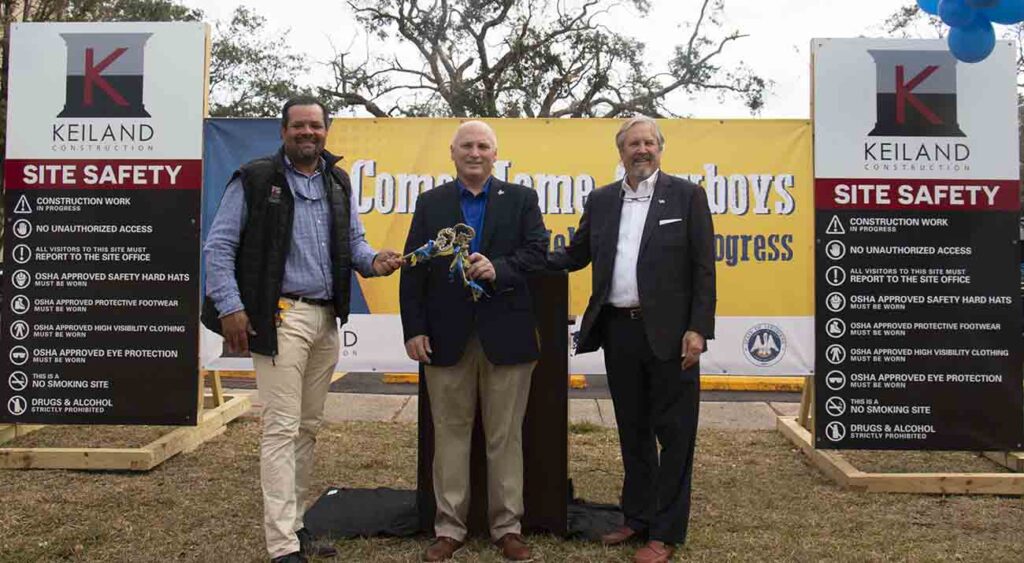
x=418, y=348
x=236, y=328
x=386, y=262
x=480, y=268
x=693, y=347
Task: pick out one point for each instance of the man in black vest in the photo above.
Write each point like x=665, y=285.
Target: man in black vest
x=476, y=350
x=652, y=306
x=279, y=258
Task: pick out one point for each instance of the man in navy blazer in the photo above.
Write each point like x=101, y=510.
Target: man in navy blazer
x=652, y=307
x=482, y=349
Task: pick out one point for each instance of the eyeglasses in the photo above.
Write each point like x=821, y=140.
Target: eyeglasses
x=636, y=198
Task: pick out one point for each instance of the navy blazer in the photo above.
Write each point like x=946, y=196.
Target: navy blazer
x=514, y=240
x=675, y=270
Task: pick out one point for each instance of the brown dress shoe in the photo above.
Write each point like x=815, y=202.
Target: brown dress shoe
x=654, y=552
x=514, y=548
x=442, y=549
x=618, y=535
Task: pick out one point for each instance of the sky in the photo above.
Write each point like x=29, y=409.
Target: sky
x=777, y=48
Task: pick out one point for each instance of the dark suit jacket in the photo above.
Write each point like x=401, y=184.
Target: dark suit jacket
x=675, y=268
x=514, y=240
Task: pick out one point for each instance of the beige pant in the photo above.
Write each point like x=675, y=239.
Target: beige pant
x=503, y=392
x=293, y=387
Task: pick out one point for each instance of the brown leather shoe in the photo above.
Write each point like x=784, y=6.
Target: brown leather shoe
x=618, y=535
x=442, y=549
x=514, y=548
x=654, y=552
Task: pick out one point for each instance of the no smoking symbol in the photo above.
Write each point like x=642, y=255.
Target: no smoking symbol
x=18, y=381
x=835, y=406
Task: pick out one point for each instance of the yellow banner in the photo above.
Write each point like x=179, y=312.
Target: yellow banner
x=757, y=173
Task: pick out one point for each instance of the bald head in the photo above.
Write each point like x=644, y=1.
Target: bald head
x=475, y=126
x=474, y=149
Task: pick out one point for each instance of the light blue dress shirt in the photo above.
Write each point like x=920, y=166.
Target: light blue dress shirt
x=307, y=269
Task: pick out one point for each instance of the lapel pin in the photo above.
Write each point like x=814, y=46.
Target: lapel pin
x=500, y=192
x=661, y=201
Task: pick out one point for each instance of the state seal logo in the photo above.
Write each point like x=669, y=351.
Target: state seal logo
x=764, y=345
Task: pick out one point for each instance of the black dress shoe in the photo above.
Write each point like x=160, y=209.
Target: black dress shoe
x=313, y=548
x=295, y=557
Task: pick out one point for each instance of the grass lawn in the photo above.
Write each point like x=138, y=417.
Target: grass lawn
x=755, y=499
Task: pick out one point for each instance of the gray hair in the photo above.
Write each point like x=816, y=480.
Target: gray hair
x=620, y=137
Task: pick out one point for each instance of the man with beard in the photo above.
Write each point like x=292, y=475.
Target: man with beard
x=278, y=271
x=476, y=351
x=652, y=306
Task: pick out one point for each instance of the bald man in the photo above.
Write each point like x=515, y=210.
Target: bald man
x=483, y=350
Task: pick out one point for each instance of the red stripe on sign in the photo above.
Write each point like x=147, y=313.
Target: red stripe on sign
x=103, y=174
x=916, y=195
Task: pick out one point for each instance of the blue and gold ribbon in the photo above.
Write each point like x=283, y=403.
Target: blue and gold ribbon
x=454, y=242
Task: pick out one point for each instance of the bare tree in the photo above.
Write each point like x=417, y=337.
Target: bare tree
x=532, y=58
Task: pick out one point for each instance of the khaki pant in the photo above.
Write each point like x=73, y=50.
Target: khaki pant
x=293, y=387
x=503, y=392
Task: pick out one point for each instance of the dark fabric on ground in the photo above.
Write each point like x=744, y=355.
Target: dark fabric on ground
x=351, y=513
x=589, y=520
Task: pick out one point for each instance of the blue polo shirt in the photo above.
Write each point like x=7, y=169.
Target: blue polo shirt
x=473, y=209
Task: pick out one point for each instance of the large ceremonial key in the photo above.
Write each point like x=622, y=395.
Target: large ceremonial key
x=450, y=241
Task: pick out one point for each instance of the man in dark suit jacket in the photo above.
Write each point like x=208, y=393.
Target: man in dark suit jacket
x=484, y=349
x=652, y=307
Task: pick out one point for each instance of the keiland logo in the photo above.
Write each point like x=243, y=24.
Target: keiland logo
x=764, y=345
x=916, y=94
x=105, y=75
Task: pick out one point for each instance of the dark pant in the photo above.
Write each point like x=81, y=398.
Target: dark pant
x=653, y=398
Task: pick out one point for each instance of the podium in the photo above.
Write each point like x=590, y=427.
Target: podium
x=545, y=428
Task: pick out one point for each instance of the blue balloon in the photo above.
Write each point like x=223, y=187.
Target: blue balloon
x=929, y=6
x=979, y=4
x=956, y=13
x=972, y=43
x=1007, y=12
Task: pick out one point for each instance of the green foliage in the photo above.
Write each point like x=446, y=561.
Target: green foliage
x=98, y=10
x=251, y=74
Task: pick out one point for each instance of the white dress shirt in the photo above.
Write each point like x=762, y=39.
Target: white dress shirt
x=624, y=292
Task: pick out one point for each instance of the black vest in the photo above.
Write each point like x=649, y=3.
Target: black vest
x=267, y=235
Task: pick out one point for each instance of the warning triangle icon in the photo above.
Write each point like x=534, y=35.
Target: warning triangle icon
x=835, y=227
x=22, y=206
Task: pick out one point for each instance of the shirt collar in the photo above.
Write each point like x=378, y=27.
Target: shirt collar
x=646, y=187
x=321, y=163
x=468, y=194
